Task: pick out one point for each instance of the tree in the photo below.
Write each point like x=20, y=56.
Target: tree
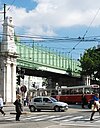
x=90, y=63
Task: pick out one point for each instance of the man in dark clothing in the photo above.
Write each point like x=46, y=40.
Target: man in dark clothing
x=84, y=101
x=18, y=107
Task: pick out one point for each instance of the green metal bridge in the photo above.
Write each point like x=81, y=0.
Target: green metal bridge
x=41, y=58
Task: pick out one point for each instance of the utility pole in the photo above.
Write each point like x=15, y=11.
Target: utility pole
x=4, y=11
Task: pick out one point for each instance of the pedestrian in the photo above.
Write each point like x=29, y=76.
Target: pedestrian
x=18, y=107
x=95, y=106
x=24, y=100
x=27, y=100
x=1, y=105
x=84, y=101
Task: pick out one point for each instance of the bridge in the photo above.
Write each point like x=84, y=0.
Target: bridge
x=37, y=57
x=36, y=60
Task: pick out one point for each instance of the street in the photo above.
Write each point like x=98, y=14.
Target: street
x=73, y=117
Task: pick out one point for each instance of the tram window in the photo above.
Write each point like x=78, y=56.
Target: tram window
x=54, y=92
x=95, y=90
x=48, y=92
x=87, y=90
x=67, y=91
x=80, y=90
x=71, y=91
x=76, y=91
x=91, y=90
x=63, y=92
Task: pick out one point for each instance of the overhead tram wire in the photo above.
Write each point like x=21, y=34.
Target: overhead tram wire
x=63, y=38
x=37, y=38
x=4, y=12
x=11, y=5
x=45, y=39
x=81, y=39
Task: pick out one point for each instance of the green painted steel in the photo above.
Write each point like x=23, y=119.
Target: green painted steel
x=37, y=56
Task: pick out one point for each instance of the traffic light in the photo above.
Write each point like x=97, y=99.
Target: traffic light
x=22, y=76
x=18, y=80
x=22, y=73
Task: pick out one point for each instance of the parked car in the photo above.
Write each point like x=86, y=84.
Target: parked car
x=46, y=103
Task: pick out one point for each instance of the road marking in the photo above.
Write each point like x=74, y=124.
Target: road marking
x=34, y=117
x=74, y=118
x=80, y=125
x=45, y=118
x=11, y=119
x=64, y=120
x=7, y=117
x=59, y=118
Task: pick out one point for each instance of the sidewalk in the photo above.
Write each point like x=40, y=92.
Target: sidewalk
x=9, y=105
x=10, y=108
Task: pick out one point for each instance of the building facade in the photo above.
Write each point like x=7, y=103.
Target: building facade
x=8, y=56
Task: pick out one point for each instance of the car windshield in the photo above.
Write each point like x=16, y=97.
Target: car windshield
x=53, y=99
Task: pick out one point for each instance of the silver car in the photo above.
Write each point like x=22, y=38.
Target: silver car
x=47, y=103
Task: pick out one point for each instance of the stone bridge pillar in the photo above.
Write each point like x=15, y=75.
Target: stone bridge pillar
x=8, y=57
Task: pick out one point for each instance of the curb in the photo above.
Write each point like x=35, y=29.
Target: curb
x=24, y=113
x=8, y=105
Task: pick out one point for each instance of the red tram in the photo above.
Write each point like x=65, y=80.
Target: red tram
x=74, y=94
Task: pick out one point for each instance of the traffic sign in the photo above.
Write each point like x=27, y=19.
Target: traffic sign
x=23, y=88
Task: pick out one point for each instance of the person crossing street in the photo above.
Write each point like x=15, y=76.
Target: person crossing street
x=95, y=106
x=18, y=107
x=1, y=105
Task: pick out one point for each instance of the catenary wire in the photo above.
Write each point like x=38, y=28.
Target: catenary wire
x=86, y=30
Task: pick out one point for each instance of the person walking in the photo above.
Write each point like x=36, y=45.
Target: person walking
x=18, y=107
x=96, y=106
x=84, y=101
x=1, y=105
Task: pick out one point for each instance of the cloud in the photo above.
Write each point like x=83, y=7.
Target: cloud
x=50, y=15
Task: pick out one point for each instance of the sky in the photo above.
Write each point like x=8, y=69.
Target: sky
x=61, y=20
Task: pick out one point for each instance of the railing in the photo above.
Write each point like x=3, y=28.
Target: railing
x=36, y=56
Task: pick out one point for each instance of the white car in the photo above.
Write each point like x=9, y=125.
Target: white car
x=47, y=103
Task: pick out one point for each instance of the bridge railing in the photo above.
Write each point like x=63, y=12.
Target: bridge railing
x=36, y=56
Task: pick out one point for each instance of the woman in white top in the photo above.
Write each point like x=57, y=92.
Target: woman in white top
x=1, y=105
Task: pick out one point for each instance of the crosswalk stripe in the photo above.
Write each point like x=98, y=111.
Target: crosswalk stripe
x=59, y=118
x=97, y=118
x=64, y=118
x=11, y=119
x=45, y=118
x=34, y=117
x=74, y=118
x=7, y=117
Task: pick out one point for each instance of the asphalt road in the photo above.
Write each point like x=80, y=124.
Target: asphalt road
x=74, y=117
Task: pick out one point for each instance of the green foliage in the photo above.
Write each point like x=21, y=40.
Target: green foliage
x=90, y=63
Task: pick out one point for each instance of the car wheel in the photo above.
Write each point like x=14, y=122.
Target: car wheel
x=32, y=109
x=57, y=109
